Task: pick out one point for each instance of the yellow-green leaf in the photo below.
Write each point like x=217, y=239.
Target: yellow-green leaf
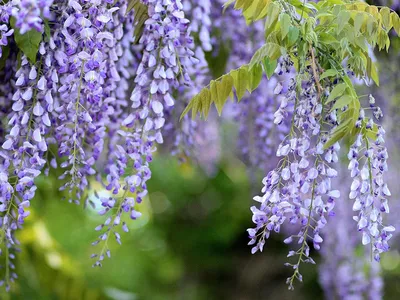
x=255, y=74
x=386, y=19
x=226, y=4
x=372, y=71
x=337, y=91
x=396, y=22
x=270, y=50
x=260, y=9
x=223, y=89
x=272, y=17
x=342, y=102
x=343, y=19
x=269, y=66
x=285, y=24
x=240, y=79
x=205, y=99
x=327, y=38
x=28, y=42
x=338, y=133
x=328, y=73
x=358, y=22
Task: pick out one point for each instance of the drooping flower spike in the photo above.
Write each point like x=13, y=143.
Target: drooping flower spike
x=166, y=46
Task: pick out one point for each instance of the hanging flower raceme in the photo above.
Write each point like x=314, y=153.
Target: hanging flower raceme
x=199, y=13
x=25, y=145
x=369, y=190
x=342, y=273
x=299, y=190
x=166, y=44
x=184, y=138
x=86, y=55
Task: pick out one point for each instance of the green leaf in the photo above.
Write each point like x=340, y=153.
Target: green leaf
x=205, y=99
x=328, y=73
x=28, y=43
x=270, y=50
x=396, y=22
x=338, y=133
x=372, y=71
x=343, y=19
x=272, y=17
x=293, y=35
x=255, y=77
x=19, y=59
x=386, y=19
x=47, y=30
x=285, y=24
x=342, y=102
x=140, y=15
x=327, y=38
x=240, y=79
x=337, y=91
x=269, y=66
x=358, y=21
x=224, y=88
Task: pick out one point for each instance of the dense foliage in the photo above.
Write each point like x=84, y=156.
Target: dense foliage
x=92, y=87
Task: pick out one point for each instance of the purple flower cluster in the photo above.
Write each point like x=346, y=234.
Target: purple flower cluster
x=185, y=138
x=342, y=273
x=28, y=14
x=199, y=12
x=86, y=66
x=299, y=190
x=24, y=145
x=368, y=162
x=76, y=97
x=166, y=46
x=5, y=30
x=23, y=149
